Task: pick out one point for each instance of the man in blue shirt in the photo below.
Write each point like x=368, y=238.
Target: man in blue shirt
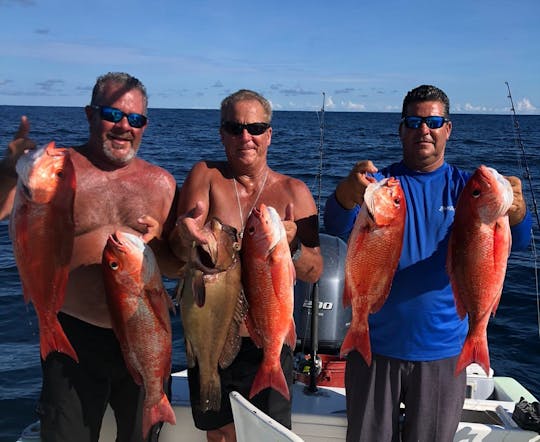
x=417, y=336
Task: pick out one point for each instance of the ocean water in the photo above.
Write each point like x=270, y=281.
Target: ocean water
x=176, y=138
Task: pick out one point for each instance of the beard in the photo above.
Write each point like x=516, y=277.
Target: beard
x=111, y=153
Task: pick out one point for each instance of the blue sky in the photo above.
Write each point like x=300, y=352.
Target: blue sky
x=365, y=55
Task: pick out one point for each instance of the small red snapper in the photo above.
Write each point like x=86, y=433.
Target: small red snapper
x=373, y=252
x=42, y=232
x=268, y=276
x=139, y=308
x=478, y=252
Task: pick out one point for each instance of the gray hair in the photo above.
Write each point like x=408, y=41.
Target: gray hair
x=423, y=93
x=126, y=81
x=243, y=95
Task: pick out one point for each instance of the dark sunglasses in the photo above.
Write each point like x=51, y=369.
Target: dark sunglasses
x=433, y=122
x=235, y=128
x=114, y=115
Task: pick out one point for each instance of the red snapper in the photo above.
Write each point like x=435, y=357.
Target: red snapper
x=478, y=252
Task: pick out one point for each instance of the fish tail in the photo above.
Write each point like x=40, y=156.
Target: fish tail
x=357, y=340
x=210, y=395
x=474, y=350
x=270, y=377
x=160, y=412
x=52, y=338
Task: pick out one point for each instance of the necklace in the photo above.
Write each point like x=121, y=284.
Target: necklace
x=241, y=234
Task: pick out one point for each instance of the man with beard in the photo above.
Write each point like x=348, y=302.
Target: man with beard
x=115, y=190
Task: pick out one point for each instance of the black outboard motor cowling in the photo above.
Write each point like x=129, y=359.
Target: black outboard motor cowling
x=334, y=320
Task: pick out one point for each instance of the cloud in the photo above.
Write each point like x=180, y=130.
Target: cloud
x=218, y=84
x=525, y=105
x=49, y=85
x=5, y=82
x=353, y=106
x=42, y=31
x=346, y=90
x=297, y=92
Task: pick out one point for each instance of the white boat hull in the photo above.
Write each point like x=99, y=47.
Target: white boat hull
x=321, y=416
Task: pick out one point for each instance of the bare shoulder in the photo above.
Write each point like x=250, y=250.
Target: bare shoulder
x=286, y=189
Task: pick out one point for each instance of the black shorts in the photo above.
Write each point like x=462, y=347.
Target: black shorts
x=74, y=395
x=239, y=377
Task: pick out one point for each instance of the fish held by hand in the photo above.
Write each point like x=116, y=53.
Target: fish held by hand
x=478, y=251
x=373, y=253
x=42, y=231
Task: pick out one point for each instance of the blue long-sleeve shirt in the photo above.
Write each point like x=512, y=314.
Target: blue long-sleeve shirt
x=418, y=321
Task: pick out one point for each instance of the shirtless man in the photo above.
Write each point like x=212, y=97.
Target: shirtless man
x=229, y=190
x=115, y=190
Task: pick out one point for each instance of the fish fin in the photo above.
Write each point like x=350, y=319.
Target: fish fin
x=199, y=293
x=347, y=296
x=253, y=332
x=475, y=349
x=233, y=340
x=210, y=392
x=270, y=377
x=190, y=354
x=290, y=339
x=160, y=412
x=52, y=338
x=359, y=341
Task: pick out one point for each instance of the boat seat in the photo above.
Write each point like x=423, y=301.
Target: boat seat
x=252, y=424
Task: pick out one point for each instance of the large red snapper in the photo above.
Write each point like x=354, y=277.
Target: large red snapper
x=42, y=232
x=139, y=308
x=268, y=276
x=478, y=252
x=373, y=252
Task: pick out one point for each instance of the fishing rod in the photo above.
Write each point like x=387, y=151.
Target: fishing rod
x=315, y=363
x=321, y=143
x=527, y=174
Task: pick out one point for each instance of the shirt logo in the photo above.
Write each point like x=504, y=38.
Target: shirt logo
x=447, y=209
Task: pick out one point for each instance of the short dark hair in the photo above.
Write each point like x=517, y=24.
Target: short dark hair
x=128, y=82
x=426, y=92
x=246, y=94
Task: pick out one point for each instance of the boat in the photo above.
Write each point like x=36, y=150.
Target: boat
x=318, y=393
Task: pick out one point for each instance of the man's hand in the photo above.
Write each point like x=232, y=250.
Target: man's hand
x=517, y=210
x=350, y=191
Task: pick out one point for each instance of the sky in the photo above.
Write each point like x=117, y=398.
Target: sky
x=363, y=55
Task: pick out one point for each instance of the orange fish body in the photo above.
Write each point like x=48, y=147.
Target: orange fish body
x=268, y=276
x=42, y=233
x=139, y=308
x=478, y=252
x=373, y=253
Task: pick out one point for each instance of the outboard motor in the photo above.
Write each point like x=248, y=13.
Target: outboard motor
x=333, y=318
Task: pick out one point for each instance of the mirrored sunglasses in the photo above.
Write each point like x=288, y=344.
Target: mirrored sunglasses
x=235, y=128
x=433, y=122
x=114, y=115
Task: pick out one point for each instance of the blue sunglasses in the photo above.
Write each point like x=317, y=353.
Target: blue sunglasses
x=433, y=122
x=114, y=115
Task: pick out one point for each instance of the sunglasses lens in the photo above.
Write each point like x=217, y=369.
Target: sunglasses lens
x=136, y=120
x=257, y=128
x=413, y=122
x=434, y=122
x=111, y=114
x=232, y=127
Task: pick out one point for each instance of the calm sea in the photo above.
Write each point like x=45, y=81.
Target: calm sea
x=175, y=139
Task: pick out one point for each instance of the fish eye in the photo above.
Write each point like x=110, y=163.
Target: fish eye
x=60, y=173
x=476, y=193
x=397, y=201
x=113, y=265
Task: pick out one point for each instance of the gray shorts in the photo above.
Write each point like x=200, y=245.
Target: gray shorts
x=432, y=395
